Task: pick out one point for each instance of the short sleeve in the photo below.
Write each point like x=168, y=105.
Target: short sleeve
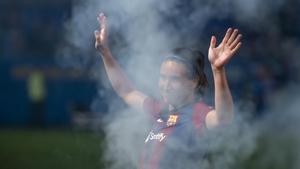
x=199, y=115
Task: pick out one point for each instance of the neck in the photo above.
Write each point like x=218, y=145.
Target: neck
x=185, y=102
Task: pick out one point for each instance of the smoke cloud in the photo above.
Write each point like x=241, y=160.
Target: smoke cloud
x=140, y=34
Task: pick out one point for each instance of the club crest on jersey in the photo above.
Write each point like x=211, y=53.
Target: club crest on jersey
x=172, y=120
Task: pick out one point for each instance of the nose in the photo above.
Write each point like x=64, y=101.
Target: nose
x=167, y=84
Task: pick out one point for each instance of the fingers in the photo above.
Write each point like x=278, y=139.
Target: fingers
x=101, y=18
x=235, y=42
x=97, y=34
x=213, y=42
x=236, y=48
x=101, y=34
x=232, y=37
x=227, y=35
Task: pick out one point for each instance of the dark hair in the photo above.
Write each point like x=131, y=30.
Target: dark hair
x=194, y=62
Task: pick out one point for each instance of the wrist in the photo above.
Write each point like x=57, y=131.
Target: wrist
x=104, y=49
x=218, y=69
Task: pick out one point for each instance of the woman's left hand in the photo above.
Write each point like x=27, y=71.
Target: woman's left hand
x=220, y=55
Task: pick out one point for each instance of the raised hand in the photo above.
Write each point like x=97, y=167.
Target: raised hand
x=101, y=36
x=219, y=56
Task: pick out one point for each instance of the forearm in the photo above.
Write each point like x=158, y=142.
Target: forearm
x=223, y=98
x=118, y=79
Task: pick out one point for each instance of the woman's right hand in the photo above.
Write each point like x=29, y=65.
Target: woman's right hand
x=101, y=36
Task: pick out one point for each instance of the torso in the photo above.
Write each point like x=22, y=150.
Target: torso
x=173, y=138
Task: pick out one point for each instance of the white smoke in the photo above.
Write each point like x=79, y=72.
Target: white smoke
x=140, y=33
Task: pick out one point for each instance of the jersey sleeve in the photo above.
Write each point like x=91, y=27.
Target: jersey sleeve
x=152, y=107
x=199, y=115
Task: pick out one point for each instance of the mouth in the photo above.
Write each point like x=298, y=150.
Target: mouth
x=168, y=95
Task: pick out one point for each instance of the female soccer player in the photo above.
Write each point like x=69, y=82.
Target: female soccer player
x=181, y=115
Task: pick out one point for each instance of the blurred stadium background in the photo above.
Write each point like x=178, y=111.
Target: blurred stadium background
x=47, y=118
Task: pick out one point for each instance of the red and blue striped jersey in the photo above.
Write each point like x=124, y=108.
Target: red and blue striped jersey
x=172, y=141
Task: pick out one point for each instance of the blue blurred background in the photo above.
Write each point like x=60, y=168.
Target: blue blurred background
x=35, y=90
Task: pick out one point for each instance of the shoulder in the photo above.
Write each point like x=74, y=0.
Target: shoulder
x=200, y=111
x=202, y=107
x=153, y=106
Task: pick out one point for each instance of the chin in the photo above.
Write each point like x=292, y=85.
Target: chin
x=170, y=100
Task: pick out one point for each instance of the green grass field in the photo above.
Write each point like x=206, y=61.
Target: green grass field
x=50, y=149
x=66, y=149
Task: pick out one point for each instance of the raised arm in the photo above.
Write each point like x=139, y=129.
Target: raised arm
x=118, y=79
x=218, y=57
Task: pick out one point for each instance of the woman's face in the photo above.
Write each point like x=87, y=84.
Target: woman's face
x=175, y=86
